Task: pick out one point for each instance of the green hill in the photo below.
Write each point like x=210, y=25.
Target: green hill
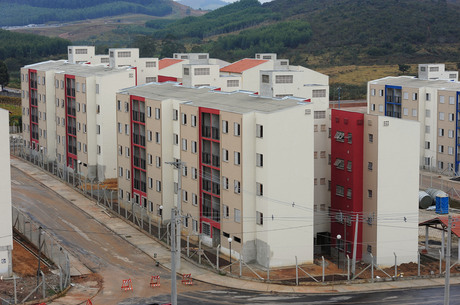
x=23, y=12
x=339, y=31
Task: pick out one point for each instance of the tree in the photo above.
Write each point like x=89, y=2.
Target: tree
x=403, y=68
x=4, y=76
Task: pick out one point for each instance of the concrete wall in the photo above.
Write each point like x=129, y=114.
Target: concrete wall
x=6, y=232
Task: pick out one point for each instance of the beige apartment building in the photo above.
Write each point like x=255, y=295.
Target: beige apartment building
x=431, y=99
x=243, y=175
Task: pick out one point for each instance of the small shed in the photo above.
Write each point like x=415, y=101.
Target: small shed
x=442, y=223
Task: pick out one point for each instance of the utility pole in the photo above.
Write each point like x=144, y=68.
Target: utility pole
x=173, y=258
x=355, y=246
x=179, y=165
x=447, y=276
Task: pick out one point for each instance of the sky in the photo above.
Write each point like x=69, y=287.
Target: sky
x=261, y=1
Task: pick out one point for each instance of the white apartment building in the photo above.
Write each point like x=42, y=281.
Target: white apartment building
x=69, y=114
x=244, y=176
x=6, y=225
x=433, y=103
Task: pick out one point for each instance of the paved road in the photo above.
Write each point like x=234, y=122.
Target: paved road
x=93, y=244
x=114, y=258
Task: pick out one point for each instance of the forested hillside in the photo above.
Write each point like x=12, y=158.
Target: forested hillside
x=18, y=49
x=23, y=12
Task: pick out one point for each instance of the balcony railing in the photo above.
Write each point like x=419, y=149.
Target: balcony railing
x=33, y=101
x=71, y=92
x=215, y=160
x=138, y=139
x=206, y=158
x=206, y=131
x=216, y=188
x=139, y=162
x=215, y=133
x=71, y=111
x=72, y=130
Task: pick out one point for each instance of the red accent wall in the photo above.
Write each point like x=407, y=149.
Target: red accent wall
x=347, y=122
x=131, y=133
x=162, y=79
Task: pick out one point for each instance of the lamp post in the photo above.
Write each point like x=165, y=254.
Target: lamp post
x=160, y=211
x=338, y=250
x=230, y=243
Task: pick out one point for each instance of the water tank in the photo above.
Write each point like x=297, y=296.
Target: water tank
x=442, y=204
x=434, y=193
x=424, y=200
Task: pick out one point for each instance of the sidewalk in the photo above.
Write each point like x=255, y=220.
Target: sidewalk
x=149, y=246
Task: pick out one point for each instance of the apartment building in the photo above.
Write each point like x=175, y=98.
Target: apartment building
x=146, y=69
x=374, y=175
x=432, y=100
x=69, y=114
x=246, y=176
x=6, y=225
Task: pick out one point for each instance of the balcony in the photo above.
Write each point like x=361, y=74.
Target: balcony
x=139, y=162
x=206, y=185
x=393, y=99
x=72, y=130
x=215, y=161
x=71, y=111
x=216, y=189
x=34, y=118
x=72, y=149
x=33, y=84
x=216, y=215
x=33, y=101
x=215, y=133
x=71, y=92
x=206, y=131
x=139, y=139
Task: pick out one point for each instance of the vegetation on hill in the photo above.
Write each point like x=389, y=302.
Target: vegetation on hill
x=23, y=12
x=204, y=4
x=18, y=49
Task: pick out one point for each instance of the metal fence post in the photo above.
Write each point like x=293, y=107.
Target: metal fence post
x=418, y=263
x=296, y=272
x=15, y=290
x=396, y=265
x=217, y=254
x=241, y=265
x=188, y=247
x=268, y=267
x=199, y=252
x=348, y=267
x=324, y=265
x=372, y=267
x=440, y=262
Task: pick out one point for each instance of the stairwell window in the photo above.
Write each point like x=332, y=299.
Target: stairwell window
x=284, y=79
x=259, y=218
x=259, y=131
x=259, y=160
x=259, y=189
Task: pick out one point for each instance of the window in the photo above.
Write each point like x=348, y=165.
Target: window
x=124, y=54
x=414, y=96
x=350, y=137
x=184, y=118
x=381, y=92
x=150, y=183
x=175, y=139
x=225, y=211
x=339, y=136
x=175, y=114
x=236, y=129
x=451, y=133
x=339, y=190
x=193, y=119
x=158, y=161
x=184, y=196
x=184, y=171
x=149, y=111
x=127, y=129
x=451, y=117
x=319, y=114
x=83, y=108
x=259, y=160
x=225, y=183
x=372, y=107
x=186, y=71
x=195, y=225
x=150, y=64
x=194, y=173
x=349, y=165
x=414, y=112
x=194, y=199
x=97, y=88
x=427, y=113
x=339, y=163
x=441, y=116
x=405, y=111
x=369, y=193
x=83, y=88
x=427, y=129
x=451, y=100
x=237, y=215
x=441, y=132
x=284, y=79
x=120, y=150
x=128, y=174
x=158, y=186
x=202, y=71
x=157, y=113
x=440, y=165
x=157, y=138
x=259, y=218
x=259, y=131
x=259, y=189
x=441, y=99
x=194, y=147
x=233, y=83
x=224, y=126
x=371, y=138
x=441, y=149
x=184, y=144
x=237, y=160
x=450, y=150
x=380, y=108
x=236, y=186
x=319, y=93
x=224, y=155
x=406, y=95
x=149, y=135
x=369, y=165
x=127, y=151
x=349, y=193
x=265, y=78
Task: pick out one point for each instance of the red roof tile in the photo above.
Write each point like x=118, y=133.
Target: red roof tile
x=166, y=62
x=444, y=221
x=242, y=65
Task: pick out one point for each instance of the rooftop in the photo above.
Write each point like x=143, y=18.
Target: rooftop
x=238, y=102
x=242, y=65
x=62, y=66
x=166, y=62
x=414, y=82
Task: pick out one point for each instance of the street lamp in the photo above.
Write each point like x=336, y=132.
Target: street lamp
x=160, y=211
x=338, y=250
x=230, y=243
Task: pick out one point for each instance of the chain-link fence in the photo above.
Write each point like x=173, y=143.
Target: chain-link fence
x=330, y=267
x=51, y=256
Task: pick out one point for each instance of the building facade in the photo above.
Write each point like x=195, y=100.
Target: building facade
x=237, y=180
x=6, y=225
x=430, y=100
x=374, y=183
